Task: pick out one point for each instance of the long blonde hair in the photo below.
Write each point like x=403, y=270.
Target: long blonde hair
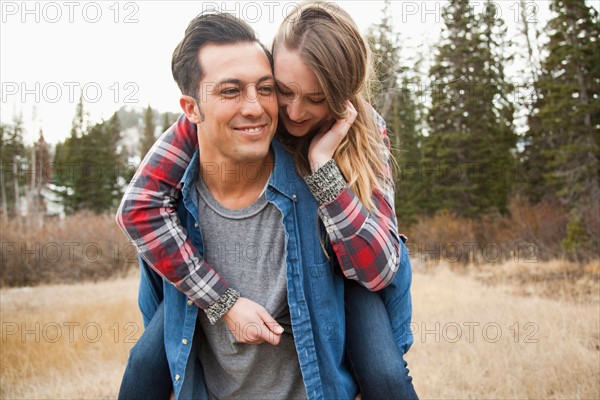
x=329, y=42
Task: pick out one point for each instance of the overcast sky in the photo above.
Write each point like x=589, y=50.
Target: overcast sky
x=119, y=53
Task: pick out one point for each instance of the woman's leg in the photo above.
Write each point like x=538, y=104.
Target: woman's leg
x=150, y=293
x=147, y=374
x=374, y=357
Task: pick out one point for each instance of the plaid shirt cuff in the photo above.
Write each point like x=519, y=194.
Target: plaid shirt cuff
x=326, y=183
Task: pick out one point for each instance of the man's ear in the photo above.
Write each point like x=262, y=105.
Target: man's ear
x=191, y=109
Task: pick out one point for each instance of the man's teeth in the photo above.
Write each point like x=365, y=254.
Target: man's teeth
x=252, y=130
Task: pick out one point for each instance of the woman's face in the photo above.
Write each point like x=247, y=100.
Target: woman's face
x=302, y=103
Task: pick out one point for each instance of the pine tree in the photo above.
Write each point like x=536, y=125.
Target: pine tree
x=468, y=153
x=93, y=184
x=79, y=123
x=3, y=194
x=501, y=155
x=398, y=106
x=386, y=62
x=69, y=159
x=168, y=120
x=89, y=167
x=40, y=177
x=43, y=166
x=114, y=161
x=149, y=129
x=563, y=141
x=12, y=156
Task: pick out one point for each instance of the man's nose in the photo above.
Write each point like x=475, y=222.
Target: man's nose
x=251, y=105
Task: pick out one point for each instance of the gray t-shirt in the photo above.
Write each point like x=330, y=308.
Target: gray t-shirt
x=247, y=248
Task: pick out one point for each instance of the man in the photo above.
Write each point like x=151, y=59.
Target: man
x=254, y=226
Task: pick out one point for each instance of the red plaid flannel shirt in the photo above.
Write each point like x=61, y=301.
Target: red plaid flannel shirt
x=366, y=243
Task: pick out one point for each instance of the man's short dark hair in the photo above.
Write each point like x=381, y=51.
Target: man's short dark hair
x=209, y=28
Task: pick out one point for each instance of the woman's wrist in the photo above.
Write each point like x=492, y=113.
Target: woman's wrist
x=318, y=161
x=219, y=308
x=326, y=182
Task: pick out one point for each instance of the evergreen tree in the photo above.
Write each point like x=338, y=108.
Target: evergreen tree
x=383, y=42
x=40, y=177
x=398, y=105
x=563, y=142
x=406, y=134
x=79, y=123
x=3, y=193
x=115, y=159
x=87, y=166
x=168, y=120
x=69, y=161
x=468, y=153
x=94, y=181
x=43, y=166
x=12, y=157
x=149, y=128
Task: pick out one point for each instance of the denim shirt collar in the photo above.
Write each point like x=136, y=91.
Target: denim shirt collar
x=280, y=180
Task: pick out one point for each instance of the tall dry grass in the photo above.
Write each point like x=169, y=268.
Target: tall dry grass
x=477, y=341
x=67, y=341
x=84, y=246
x=477, y=335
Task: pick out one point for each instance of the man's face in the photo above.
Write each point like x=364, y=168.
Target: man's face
x=237, y=103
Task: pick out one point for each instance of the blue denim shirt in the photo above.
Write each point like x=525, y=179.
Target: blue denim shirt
x=315, y=293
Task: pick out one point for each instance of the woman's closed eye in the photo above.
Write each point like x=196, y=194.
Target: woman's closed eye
x=284, y=92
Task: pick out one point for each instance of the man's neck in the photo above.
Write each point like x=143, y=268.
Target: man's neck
x=236, y=185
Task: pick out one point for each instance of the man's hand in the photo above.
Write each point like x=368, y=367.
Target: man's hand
x=250, y=323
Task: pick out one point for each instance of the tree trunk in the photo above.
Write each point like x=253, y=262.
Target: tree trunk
x=3, y=194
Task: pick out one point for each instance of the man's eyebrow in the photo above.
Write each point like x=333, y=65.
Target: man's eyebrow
x=266, y=78
x=239, y=82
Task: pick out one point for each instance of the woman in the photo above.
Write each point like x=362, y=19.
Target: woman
x=347, y=168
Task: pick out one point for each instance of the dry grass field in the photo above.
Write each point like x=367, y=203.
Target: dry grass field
x=508, y=331
x=67, y=341
x=508, y=339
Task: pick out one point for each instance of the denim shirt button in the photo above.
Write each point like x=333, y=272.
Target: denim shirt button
x=184, y=341
x=177, y=377
x=190, y=303
x=195, y=224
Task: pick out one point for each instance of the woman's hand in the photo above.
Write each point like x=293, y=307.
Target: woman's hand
x=324, y=143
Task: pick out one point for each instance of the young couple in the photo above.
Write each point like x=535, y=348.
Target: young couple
x=268, y=206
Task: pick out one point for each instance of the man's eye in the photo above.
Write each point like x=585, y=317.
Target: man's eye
x=267, y=90
x=317, y=101
x=230, y=92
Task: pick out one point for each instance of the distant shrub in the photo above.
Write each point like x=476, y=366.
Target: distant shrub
x=80, y=247
x=577, y=242
x=527, y=233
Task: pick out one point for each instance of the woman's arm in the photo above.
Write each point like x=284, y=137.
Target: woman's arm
x=367, y=243
x=148, y=217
